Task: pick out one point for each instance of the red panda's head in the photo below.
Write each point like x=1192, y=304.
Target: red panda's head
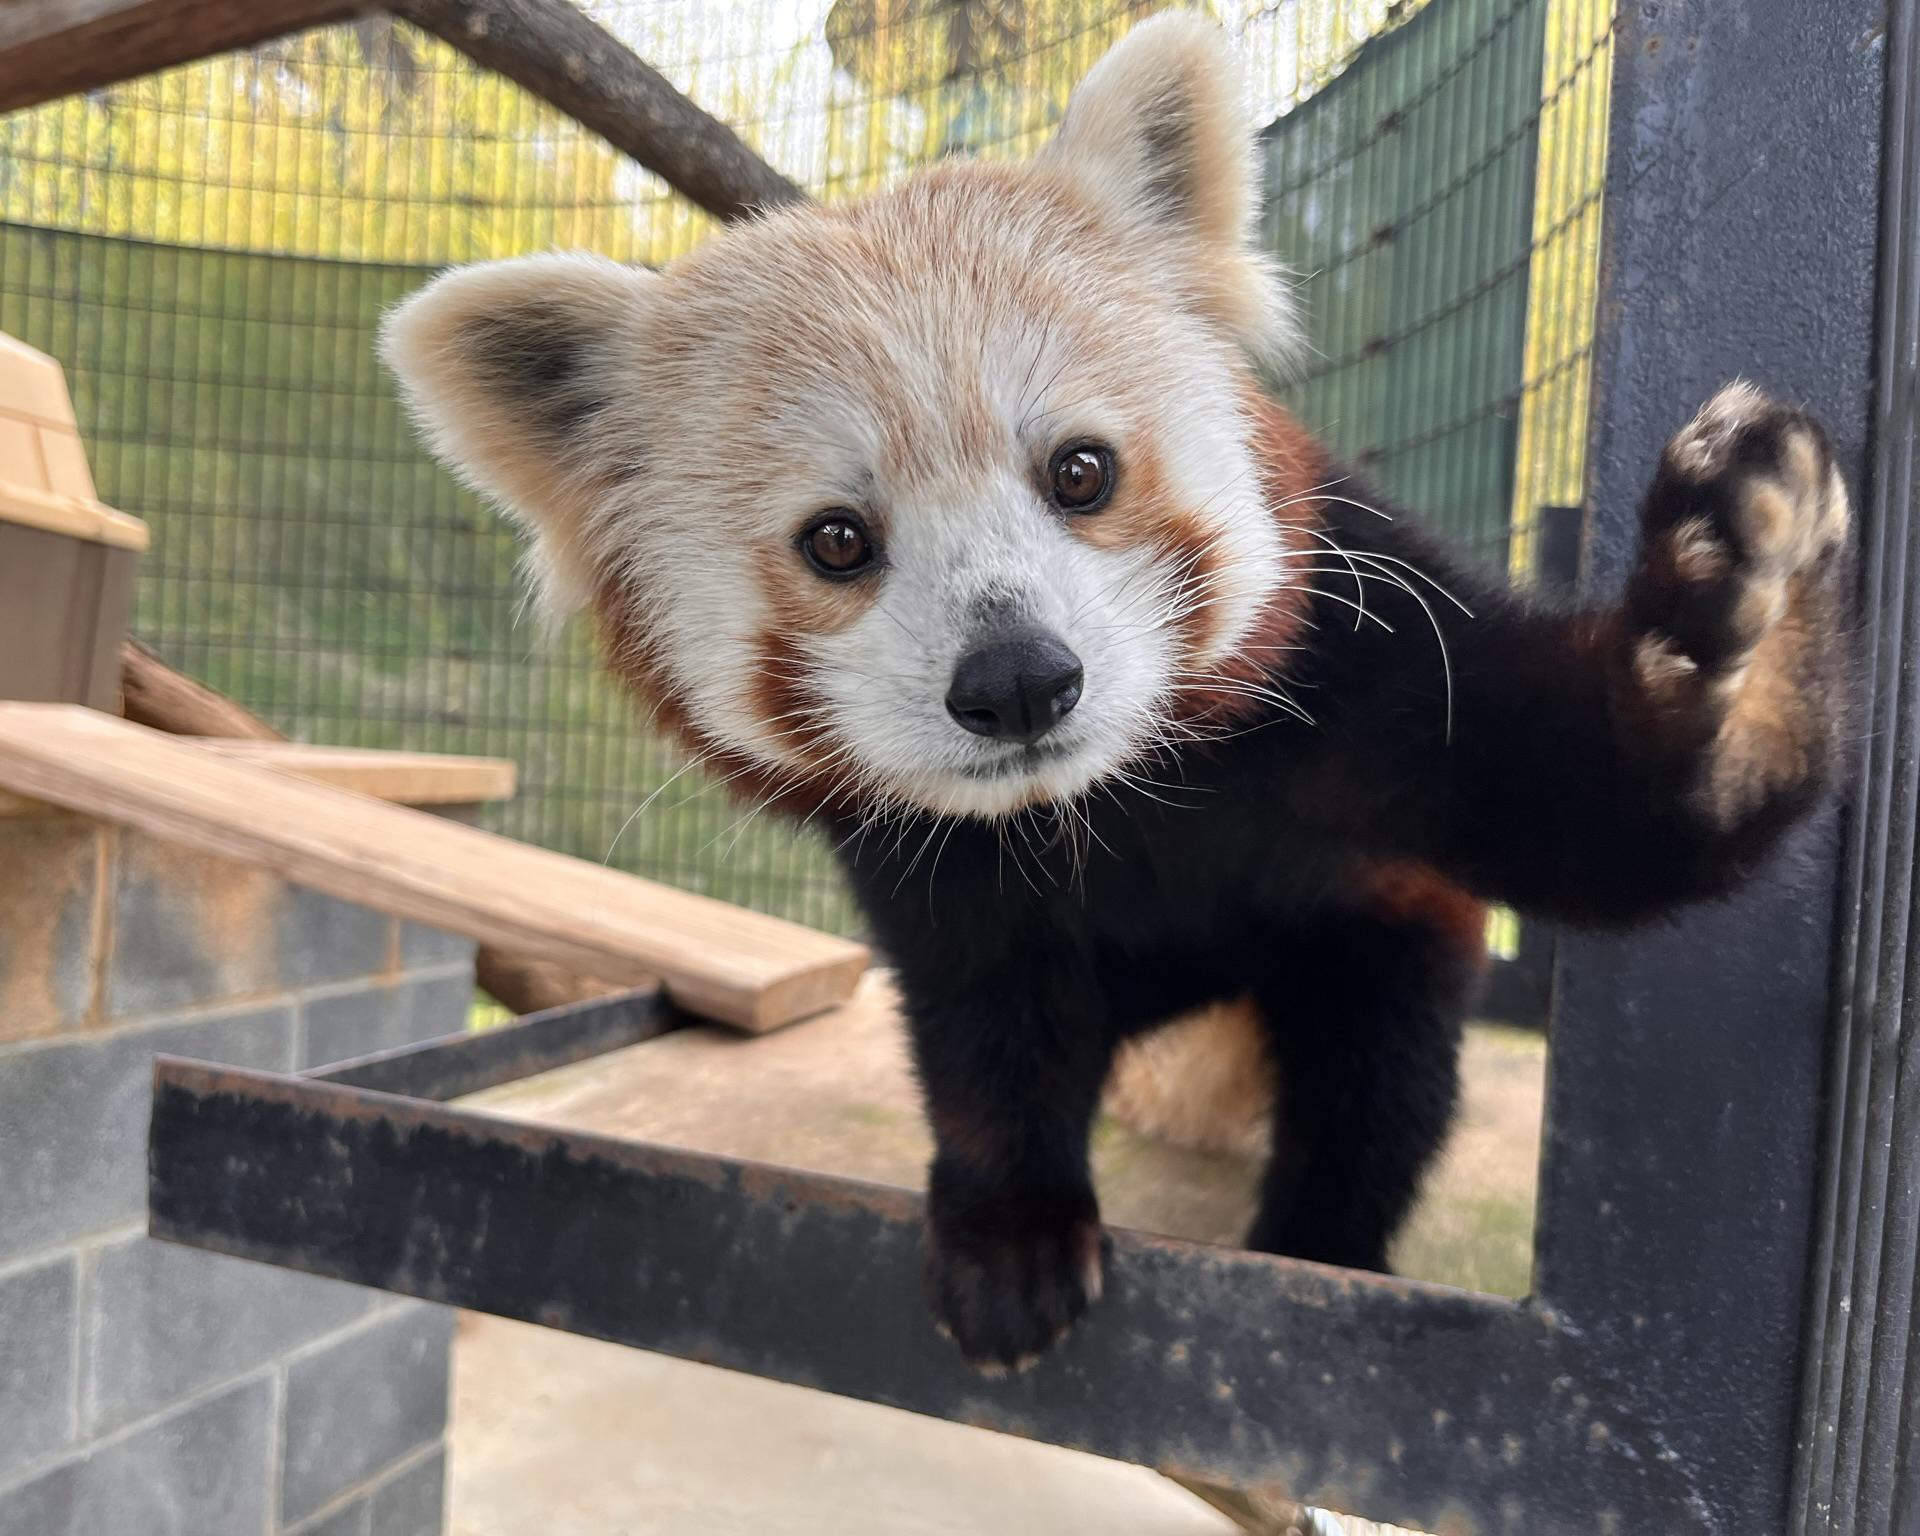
x=945, y=498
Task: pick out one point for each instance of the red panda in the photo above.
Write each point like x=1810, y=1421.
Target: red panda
x=957, y=519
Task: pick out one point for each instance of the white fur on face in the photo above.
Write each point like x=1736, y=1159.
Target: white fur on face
x=884, y=680
x=934, y=416
x=917, y=359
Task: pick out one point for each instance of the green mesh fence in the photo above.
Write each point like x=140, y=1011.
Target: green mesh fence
x=308, y=560
x=1411, y=244
x=207, y=252
x=1409, y=199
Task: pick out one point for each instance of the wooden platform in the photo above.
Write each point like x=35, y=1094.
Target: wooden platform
x=720, y=961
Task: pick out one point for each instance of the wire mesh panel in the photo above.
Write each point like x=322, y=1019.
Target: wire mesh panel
x=208, y=250
x=1407, y=195
x=309, y=561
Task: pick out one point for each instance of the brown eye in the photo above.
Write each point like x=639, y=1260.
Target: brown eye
x=837, y=545
x=1080, y=478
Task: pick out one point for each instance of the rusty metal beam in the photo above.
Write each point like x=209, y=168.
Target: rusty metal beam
x=453, y=1065
x=1414, y=1403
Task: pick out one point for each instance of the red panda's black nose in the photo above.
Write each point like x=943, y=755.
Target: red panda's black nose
x=1015, y=687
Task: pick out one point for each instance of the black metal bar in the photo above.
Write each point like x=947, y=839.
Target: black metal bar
x=1557, y=563
x=1857, y=1471
x=1437, y=1408
x=1519, y=991
x=452, y=1065
x=1685, y=1081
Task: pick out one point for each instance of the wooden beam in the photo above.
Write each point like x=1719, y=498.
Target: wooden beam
x=564, y=57
x=720, y=961
x=53, y=48
x=405, y=778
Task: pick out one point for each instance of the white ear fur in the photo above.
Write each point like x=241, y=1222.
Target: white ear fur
x=1158, y=128
x=508, y=370
x=1158, y=132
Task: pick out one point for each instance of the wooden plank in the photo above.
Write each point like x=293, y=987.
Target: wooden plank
x=723, y=962
x=52, y=48
x=21, y=808
x=405, y=778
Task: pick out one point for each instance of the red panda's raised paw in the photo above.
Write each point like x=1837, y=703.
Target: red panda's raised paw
x=1733, y=648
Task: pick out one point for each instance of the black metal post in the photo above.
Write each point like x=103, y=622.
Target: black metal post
x=1682, y=1158
x=1857, y=1469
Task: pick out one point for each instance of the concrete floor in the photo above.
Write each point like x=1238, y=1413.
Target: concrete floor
x=555, y=1435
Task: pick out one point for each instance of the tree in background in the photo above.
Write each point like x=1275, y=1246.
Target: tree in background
x=373, y=142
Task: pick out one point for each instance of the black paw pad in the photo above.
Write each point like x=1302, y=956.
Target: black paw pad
x=1747, y=499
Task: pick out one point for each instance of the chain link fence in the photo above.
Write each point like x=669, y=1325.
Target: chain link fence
x=207, y=251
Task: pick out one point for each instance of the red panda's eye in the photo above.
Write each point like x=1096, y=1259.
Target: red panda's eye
x=1080, y=478
x=837, y=545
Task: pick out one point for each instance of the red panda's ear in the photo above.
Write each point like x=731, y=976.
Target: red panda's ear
x=1158, y=130
x=512, y=370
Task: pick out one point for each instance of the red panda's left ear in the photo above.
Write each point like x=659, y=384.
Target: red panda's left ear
x=1159, y=136
x=520, y=375
x=1158, y=130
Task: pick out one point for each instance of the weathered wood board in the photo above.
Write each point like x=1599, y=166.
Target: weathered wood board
x=724, y=962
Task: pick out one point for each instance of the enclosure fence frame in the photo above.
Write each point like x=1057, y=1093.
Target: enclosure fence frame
x=1729, y=1175
x=1857, y=1463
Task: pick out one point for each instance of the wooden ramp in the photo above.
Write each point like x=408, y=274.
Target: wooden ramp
x=723, y=962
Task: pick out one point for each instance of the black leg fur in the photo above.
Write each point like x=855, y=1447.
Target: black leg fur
x=1013, y=1229
x=1364, y=1017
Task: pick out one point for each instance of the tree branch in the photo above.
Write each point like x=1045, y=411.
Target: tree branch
x=565, y=58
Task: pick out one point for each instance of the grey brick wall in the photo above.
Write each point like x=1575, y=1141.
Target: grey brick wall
x=73, y=1117
x=39, y=1311
x=359, y=1405
x=149, y=1390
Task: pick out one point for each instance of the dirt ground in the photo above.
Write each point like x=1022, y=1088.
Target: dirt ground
x=569, y=1437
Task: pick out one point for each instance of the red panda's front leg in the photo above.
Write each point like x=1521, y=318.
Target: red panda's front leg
x=1604, y=766
x=1011, y=1072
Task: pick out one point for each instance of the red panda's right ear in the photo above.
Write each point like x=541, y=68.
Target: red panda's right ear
x=512, y=371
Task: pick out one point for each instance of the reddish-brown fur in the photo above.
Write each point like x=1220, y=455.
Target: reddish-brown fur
x=1408, y=895
x=1293, y=466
